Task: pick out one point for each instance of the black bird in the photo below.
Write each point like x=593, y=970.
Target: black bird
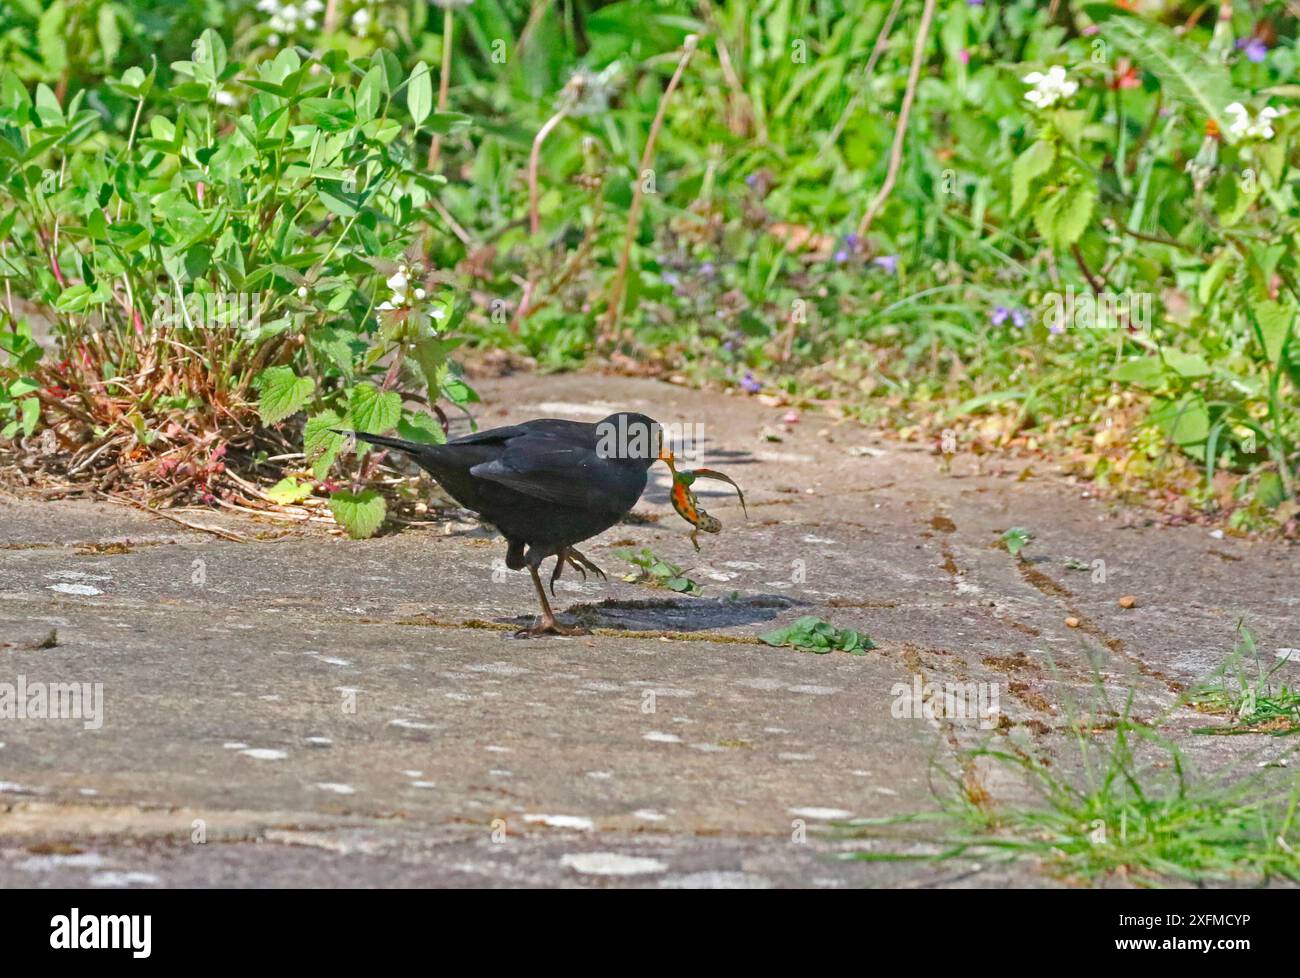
x=545, y=485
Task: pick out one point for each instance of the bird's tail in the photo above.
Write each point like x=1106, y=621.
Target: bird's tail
x=409, y=447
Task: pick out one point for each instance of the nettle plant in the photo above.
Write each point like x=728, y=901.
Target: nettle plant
x=1186, y=181
x=237, y=258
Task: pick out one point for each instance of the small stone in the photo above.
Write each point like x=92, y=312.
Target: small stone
x=1128, y=601
x=1072, y=622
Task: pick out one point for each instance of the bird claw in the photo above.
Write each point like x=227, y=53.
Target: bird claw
x=581, y=559
x=567, y=555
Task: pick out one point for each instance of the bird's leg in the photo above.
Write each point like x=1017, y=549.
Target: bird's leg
x=548, y=625
x=577, y=559
x=559, y=566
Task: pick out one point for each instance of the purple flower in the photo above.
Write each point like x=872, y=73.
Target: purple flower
x=888, y=262
x=841, y=256
x=729, y=346
x=750, y=383
x=1256, y=50
x=963, y=56
x=1057, y=327
x=670, y=278
x=1019, y=318
x=751, y=180
x=707, y=269
x=851, y=240
x=999, y=315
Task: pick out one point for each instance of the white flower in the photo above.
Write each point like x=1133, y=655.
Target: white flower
x=590, y=92
x=224, y=97
x=398, y=282
x=302, y=292
x=1049, y=88
x=1243, y=127
x=419, y=293
x=361, y=21
x=287, y=17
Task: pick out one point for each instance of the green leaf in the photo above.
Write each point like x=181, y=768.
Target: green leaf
x=445, y=122
x=31, y=408
x=320, y=443
x=75, y=298
x=1269, y=490
x=282, y=392
x=1185, y=422
x=374, y=411
x=50, y=38
x=458, y=392
x=1185, y=72
x=370, y=93
x=48, y=109
x=1142, y=372
x=385, y=59
x=1015, y=540
x=423, y=428
x=335, y=203
x=1274, y=321
x=419, y=93
x=110, y=36
x=1062, y=217
x=1213, y=276
x=1186, y=364
x=430, y=353
x=209, y=57
x=288, y=491
x=359, y=513
x=812, y=634
x=1029, y=166
x=328, y=114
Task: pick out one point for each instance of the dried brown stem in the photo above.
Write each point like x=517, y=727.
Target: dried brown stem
x=904, y=113
x=634, y=212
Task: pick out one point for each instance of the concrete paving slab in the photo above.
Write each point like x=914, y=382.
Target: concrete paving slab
x=324, y=711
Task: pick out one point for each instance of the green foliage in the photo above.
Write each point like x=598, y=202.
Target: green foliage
x=359, y=513
x=1145, y=823
x=281, y=393
x=1186, y=73
x=229, y=240
x=1015, y=540
x=1250, y=691
x=812, y=634
x=656, y=572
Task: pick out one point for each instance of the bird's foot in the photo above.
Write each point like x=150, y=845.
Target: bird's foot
x=580, y=561
x=547, y=625
x=575, y=560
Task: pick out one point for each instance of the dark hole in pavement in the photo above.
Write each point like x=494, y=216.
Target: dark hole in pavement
x=674, y=614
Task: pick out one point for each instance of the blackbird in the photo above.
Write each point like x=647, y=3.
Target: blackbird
x=545, y=485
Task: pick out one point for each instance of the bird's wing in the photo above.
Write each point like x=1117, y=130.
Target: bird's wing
x=566, y=474
x=569, y=431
